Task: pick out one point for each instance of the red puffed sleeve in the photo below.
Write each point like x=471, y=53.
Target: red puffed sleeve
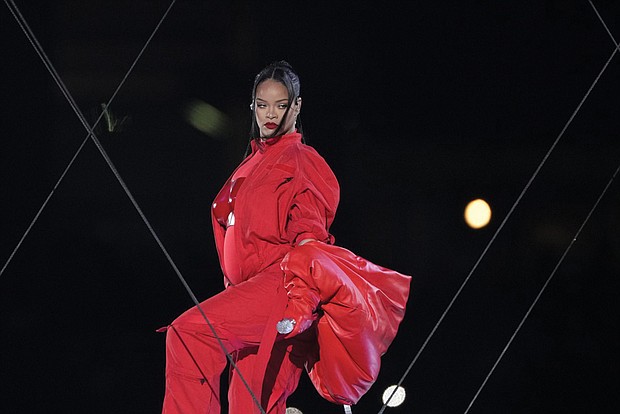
x=307, y=219
x=362, y=305
x=314, y=204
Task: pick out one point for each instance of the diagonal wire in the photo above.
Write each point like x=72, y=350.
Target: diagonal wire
x=40, y=51
x=604, y=24
x=560, y=261
x=501, y=226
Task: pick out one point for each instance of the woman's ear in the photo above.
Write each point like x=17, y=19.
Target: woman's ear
x=297, y=104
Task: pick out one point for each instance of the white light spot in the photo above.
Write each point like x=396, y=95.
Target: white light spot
x=293, y=410
x=398, y=397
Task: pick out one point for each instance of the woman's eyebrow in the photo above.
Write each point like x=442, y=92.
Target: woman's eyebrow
x=279, y=100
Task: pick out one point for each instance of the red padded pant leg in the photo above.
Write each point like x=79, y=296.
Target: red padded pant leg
x=194, y=358
x=282, y=375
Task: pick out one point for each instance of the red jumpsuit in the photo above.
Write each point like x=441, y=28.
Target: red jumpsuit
x=289, y=195
x=283, y=193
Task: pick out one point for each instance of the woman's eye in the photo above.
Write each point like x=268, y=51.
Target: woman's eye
x=282, y=106
x=260, y=105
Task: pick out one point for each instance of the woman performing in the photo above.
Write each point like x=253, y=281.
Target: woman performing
x=292, y=300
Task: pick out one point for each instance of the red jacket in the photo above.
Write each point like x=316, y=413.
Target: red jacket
x=291, y=195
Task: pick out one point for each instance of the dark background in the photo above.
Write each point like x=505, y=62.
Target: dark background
x=418, y=107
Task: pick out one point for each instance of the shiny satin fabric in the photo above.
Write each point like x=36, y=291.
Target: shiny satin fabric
x=224, y=204
x=359, y=306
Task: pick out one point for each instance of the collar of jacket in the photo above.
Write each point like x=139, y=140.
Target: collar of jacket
x=262, y=146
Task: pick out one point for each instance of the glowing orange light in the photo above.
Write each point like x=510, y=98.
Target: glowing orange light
x=477, y=214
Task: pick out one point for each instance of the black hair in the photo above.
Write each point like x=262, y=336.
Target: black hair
x=282, y=72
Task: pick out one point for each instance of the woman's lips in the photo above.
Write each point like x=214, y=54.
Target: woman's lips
x=271, y=125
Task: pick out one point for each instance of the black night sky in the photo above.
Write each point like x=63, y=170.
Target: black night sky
x=419, y=107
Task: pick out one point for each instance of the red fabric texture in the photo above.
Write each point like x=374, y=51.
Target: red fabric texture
x=361, y=305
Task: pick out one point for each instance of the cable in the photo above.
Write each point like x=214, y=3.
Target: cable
x=40, y=51
x=604, y=24
x=499, y=229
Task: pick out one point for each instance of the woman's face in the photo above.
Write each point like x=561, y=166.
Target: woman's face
x=270, y=106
